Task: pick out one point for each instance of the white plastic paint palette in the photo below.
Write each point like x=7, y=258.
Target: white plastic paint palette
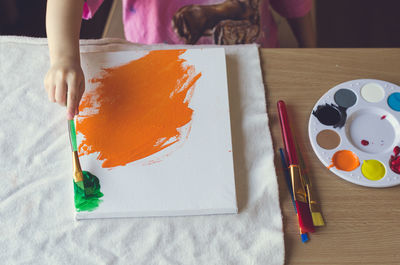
x=354, y=130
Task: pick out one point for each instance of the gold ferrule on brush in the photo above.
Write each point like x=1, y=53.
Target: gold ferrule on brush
x=314, y=207
x=299, y=192
x=78, y=175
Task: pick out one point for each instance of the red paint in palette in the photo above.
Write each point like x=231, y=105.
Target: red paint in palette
x=383, y=117
x=396, y=151
x=364, y=142
x=394, y=161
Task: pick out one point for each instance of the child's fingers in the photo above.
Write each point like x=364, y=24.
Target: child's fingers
x=61, y=91
x=72, y=101
x=80, y=94
x=51, y=93
x=65, y=85
x=50, y=88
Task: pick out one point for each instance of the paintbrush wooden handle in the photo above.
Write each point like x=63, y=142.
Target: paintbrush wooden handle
x=287, y=134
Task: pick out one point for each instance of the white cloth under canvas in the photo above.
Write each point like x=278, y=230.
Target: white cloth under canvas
x=36, y=202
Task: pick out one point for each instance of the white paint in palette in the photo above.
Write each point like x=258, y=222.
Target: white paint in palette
x=372, y=92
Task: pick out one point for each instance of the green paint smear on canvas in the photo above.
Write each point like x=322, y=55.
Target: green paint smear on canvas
x=88, y=199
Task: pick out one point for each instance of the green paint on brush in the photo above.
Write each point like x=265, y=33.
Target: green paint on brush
x=72, y=135
x=87, y=192
x=80, y=184
x=88, y=199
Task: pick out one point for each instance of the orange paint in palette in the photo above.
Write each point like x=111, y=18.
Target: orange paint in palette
x=345, y=160
x=365, y=116
x=142, y=107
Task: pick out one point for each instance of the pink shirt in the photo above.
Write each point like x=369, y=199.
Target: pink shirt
x=203, y=21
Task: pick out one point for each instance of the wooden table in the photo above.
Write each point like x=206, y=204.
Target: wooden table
x=362, y=224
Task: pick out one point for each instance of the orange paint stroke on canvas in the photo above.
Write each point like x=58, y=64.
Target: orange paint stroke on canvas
x=137, y=109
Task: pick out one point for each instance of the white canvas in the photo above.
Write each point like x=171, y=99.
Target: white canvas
x=190, y=177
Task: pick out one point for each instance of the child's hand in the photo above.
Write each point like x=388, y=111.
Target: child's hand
x=65, y=84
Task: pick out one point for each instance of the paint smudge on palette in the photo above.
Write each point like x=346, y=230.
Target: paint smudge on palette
x=394, y=161
x=364, y=142
x=355, y=121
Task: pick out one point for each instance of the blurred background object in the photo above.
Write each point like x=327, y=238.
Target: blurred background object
x=339, y=23
x=28, y=17
x=358, y=23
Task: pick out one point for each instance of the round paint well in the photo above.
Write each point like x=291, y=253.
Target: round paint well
x=345, y=160
x=345, y=98
x=328, y=139
x=394, y=101
x=368, y=132
x=328, y=114
x=372, y=92
x=373, y=169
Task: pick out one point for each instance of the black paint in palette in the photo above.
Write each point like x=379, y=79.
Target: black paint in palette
x=331, y=115
x=335, y=115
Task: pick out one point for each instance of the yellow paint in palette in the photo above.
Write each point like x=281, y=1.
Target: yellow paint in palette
x=373, y=169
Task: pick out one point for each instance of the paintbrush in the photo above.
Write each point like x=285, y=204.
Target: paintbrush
x=299, y=192
x=303, y=235
x=77, y=170
x=312, y=203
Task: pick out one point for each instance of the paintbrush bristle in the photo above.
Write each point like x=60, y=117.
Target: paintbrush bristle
x=314, y=209
x=80, y=185
x=317, y=219
x=304, y=217
x=78, y=179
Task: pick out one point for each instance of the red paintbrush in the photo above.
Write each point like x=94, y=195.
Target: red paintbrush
x=299, y=192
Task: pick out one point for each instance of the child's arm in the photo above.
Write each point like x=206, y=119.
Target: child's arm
x=65, y=76
x=298, y=14
x=303, y=30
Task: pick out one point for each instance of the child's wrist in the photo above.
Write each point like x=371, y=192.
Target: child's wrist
x=65, y=59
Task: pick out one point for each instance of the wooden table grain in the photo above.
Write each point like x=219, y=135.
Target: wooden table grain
x=362, y=224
